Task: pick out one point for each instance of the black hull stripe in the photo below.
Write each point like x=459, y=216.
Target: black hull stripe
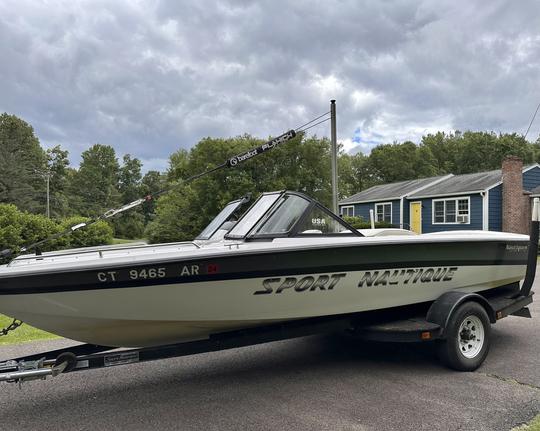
x=269, y=263
x=74, y=284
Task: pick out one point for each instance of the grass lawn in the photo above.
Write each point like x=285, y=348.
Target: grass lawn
x=534, y=425
x=22, y=333
x=126, y=241
x=28, y=333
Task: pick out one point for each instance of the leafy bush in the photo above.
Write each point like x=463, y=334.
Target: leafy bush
x=129, y=225
x=19, y=228
x=176, y=218
x=360, y=223
x=96, y=234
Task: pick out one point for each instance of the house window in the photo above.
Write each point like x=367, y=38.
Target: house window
x=383, y=212
x=347, y=211
x=451, y=211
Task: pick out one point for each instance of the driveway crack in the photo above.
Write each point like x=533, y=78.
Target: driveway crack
x=510, y=380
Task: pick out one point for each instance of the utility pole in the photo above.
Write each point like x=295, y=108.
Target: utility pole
x=48, y=175
x=333, y=137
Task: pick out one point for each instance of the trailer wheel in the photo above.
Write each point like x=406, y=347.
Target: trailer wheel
x=467, y=338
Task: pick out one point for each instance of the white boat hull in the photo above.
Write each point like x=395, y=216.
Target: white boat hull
x=168, y=313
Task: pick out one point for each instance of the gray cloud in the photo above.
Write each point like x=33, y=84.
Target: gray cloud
x=149, y=77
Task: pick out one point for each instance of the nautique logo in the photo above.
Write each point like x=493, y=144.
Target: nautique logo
x=406, y=276
x=516, y=248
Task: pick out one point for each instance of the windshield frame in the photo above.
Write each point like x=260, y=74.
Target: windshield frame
x=294, y=231
x=269, y=211
x=237, y=205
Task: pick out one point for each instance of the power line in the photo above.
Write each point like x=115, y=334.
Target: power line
x=530, y=124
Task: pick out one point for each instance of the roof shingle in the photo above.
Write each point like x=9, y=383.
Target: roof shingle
x=389, y=191
x=462, y=184
x=431, y=187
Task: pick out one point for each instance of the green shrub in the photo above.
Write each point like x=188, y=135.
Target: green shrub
x=360, y=223
x=19, y=229
x=176, y=218
x=129, y=225
x=96, y=234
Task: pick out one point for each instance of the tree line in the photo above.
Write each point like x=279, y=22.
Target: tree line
x=101, y=181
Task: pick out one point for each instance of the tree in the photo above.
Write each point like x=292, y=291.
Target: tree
x=468, y=152
x=57, y=169
x=302, y=164
x=176, y=218
x=152, y=182
x=129, y=184
x=445, y=150
x=355, y=174
x=22, y=164
x=94, y=187
x=130, y=224
x=400, y=162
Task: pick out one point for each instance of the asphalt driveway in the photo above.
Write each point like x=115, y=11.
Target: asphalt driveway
x=314, y=383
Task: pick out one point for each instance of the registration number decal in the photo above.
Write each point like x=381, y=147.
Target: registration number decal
x=158, y=272
x=136, y=274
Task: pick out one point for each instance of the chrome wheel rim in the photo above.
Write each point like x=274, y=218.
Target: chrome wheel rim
x=470, y=336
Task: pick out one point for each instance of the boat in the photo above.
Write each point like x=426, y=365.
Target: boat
x=286, y=258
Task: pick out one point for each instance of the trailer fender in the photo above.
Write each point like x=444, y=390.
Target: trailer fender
x=443, y=308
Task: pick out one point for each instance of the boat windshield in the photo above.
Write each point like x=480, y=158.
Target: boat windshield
x=287, y=212
x=321, y=222
x=253, y=215
x=220, y=219
x=284, y=214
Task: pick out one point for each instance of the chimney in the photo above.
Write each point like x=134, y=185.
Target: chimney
x=513, y=198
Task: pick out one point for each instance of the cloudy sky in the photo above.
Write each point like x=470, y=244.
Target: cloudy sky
x=149, y=77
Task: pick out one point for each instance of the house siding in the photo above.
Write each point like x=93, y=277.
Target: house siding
x=362, y=210
x=495, y=208
x=395, y=212
x=406, y=214
x=531, y=178
x=475, y=214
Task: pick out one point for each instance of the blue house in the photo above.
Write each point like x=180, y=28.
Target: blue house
x=495, y=200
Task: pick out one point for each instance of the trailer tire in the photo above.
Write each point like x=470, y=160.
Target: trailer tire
x=467, y=340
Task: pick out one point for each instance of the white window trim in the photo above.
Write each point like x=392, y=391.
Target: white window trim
x=381, y=204
x=457, y=198
x=347, y=207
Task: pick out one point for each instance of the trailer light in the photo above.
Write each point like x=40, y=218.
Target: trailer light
x=426, y=335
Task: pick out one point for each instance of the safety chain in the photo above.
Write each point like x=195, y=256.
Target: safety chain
x=14, y=325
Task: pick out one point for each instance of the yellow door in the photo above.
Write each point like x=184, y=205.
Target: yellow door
x=416, y=217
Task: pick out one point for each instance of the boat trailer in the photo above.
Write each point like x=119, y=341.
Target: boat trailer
x=376, y=327
x=401, y=324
